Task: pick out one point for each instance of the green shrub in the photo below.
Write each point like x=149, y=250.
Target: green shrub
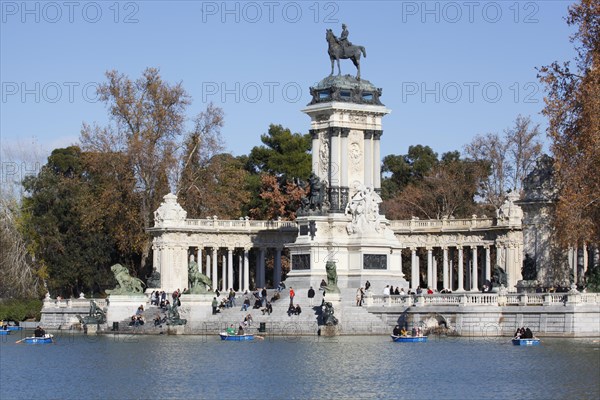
x=20, y=309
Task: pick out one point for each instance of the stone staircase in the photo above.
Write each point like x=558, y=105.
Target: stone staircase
x=353, y=320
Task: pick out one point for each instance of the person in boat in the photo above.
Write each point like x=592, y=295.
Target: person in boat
x=528, y=334
x=414, y=331
x=231, y=330
x=403, y=332
x=396, y=331
x=39, y=332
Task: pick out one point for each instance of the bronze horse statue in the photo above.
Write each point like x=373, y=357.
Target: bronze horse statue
x=337, y=52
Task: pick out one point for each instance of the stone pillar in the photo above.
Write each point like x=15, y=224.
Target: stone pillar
x=344, y=184
x=474, y=276
x=207, y=265
x=368, y=148
x=585, y=259
x=315, y=149
x=488, y=264
x=223, y=273
x=240, y=272
x=246, y=268
x=277, y=267
x=377, y=159
x=334, y=169
x=435, y=276
x=429, y=267
x=460, y=272
x=261, y=267
x=445, y=268
x=230, y=267
x=215, y=281
x=414, y=269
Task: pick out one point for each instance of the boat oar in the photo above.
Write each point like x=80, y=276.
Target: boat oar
x=259, y=337
x=19, y=341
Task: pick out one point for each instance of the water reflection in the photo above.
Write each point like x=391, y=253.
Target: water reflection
x=123, y=367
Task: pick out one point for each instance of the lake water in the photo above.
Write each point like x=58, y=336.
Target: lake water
x=203, y=367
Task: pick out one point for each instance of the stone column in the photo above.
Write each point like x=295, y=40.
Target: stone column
x=344, y=184
x=451, y=274
x=488, y=264
x=460, y=271
x=474, y=276
x=223, y=273
x=240, y=272
x=315, y=150
x=445, y=268
x=261, y=267
x=277, y=267
x=435, y=276
x=246, y=268
x=368, y=148
x=429, y=267
x=230, y=267
x=414, y=269
x=207, y=265
x=334, y=168
x=215, y=251
x=377, y=159
x=585, y=259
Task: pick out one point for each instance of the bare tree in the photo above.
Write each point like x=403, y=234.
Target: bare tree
x=510, y=158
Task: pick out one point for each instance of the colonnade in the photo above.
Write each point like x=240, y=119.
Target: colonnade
x=235, y=261
x=464, y=267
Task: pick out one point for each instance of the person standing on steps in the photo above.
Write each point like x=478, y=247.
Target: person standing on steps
x=292, y=294
x=311, y=296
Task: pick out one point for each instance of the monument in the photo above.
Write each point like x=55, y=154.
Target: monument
x=341, y=221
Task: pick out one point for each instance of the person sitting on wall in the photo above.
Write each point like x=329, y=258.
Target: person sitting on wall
x=267, y=309
x=276, y=296
x=246, y=304
x=291, y=310
x=257, y=304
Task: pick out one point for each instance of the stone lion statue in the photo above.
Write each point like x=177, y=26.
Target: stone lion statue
x=332, y=286
x=126, y=284
x=198, y=281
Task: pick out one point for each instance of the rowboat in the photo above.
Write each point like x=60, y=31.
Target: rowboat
x=409, y=339
x=238, y=338
x=4, y=332
x=526, y=342
x=14, y=328
x=47, y=338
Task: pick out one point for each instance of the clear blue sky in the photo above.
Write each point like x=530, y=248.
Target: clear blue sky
x=448, y=70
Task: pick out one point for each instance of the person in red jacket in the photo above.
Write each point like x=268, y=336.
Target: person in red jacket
x=292, y=294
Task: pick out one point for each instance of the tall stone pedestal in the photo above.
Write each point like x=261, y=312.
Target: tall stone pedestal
x=122, y=307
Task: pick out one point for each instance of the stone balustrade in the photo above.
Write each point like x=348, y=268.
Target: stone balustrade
x=482, y=299
x=73, y=303
x=441, y=225
x=238, y=225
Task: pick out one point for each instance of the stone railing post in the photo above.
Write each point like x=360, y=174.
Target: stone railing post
x=69, y=303
x=408, y=301
x=573, y=297
x=523, y=299
x=420, y=300
x=368, y=299
x=547, y=299
x=463, y=301
x=502, y=296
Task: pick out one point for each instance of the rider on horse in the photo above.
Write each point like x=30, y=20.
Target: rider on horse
x=343, y=40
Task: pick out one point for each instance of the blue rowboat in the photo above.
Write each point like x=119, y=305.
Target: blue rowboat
x=409, y=339
x=236, y=338
x=38, y=340
x=4, y=332
x=15, y=328
x=526, y=342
